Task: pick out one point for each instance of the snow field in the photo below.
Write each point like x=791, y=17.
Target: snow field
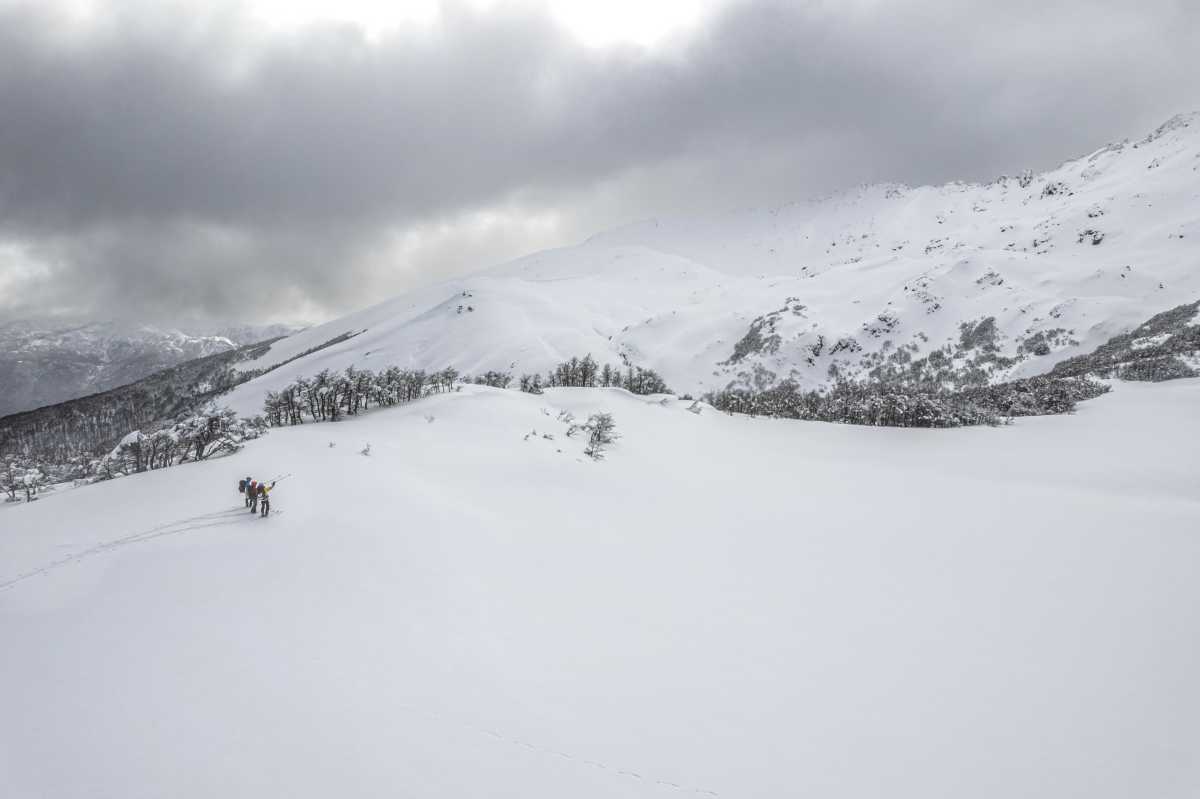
x=724, y=607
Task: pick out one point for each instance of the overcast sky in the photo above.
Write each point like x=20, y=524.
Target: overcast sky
x=296, y=160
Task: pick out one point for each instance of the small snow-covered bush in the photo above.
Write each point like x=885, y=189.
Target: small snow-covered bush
x=531, y=384
x=602, y=431
x=21, y=478
x=494, y=379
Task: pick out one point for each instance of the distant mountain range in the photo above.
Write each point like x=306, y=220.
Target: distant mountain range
x=47, y=362
x=960, y=284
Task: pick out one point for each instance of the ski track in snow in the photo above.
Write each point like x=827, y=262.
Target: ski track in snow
x=217, y=519
x=228, y=517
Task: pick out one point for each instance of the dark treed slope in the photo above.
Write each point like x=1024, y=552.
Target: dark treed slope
x=44, y=362
x=92, y=425
x=89, y=427
x=1165, y=347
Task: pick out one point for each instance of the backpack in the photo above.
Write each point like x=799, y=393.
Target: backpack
x=253, y=486
x=241, y=486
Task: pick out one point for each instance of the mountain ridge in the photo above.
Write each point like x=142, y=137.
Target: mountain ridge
x=46, y=361
x=822, y=290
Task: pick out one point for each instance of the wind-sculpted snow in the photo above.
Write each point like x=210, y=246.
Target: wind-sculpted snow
x=872, y=277
x=453, y=600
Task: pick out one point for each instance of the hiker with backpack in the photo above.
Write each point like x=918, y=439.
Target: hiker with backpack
x=264, y=493
x=244, y=490
x=252, y=492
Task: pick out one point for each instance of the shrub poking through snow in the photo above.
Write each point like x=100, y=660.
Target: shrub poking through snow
x=21, y=478
x=531, y=384
x=494, y=379
x=602, y=431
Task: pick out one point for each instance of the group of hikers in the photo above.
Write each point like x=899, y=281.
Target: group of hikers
x=256, y=494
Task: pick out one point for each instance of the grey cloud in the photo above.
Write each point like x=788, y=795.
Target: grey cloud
x=185, y=162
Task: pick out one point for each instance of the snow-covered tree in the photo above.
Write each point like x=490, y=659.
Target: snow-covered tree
x=602, y=431
x=10, y=479
x=531, y=384
x=31, y=482
x=494, y=379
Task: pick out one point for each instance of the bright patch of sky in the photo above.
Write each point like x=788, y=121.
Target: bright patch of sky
x=596, y=24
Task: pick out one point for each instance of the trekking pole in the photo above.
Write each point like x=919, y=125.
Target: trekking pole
x=277, y=479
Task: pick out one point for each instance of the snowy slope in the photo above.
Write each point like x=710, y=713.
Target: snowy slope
x=725, y=607
x=1078, y=254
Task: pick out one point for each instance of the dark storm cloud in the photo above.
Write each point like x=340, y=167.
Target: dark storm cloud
x=156, y=162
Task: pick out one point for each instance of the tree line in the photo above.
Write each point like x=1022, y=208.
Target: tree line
x=329, y=396
x=584, y=372
x=892, y=405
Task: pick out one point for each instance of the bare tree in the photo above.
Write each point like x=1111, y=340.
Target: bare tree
x=602, y=431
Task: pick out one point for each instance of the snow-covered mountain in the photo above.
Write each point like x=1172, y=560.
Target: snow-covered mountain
x=45, y=362
x=450, y=599
x=872, y=278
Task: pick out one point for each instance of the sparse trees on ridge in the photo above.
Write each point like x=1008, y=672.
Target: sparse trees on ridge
x=329, y=396
x=586, y=373
x=494, y=379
